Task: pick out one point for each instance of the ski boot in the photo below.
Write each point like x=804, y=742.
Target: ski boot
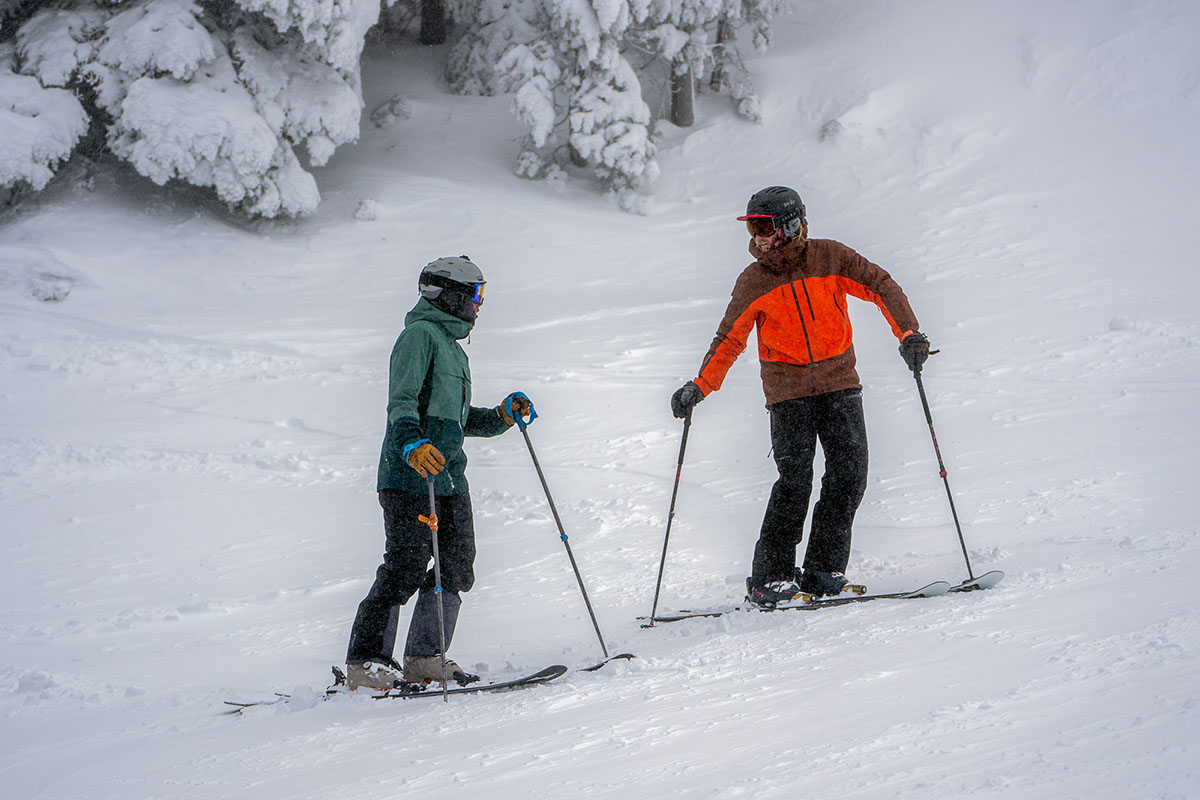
x=379, y=674
x=428, y=669
x=772, y=593
x=815, y=584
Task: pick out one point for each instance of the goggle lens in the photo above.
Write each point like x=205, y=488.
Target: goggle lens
x=761, y=226
x=477, y=297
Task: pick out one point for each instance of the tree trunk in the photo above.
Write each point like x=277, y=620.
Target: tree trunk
x=725, y=32
x=683, y=96
x=433, y=22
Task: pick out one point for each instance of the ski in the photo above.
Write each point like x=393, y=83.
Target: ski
x=934, y=589
x=411, y=690
x=594, y=667
x=984, y=581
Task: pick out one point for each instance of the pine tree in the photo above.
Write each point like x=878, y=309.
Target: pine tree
x=571, y=85
x=220, y=95
x=39, y=128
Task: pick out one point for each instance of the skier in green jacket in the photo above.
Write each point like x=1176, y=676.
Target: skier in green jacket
x=429, y=414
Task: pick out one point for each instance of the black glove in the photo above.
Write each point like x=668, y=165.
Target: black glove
x=685, y=399
x=914, y=350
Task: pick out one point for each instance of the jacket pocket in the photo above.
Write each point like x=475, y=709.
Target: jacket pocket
x=450, y=394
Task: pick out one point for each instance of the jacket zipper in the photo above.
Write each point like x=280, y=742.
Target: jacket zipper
x=803, y=325
x=812, y=314
x=838, y=306
x=758, y=331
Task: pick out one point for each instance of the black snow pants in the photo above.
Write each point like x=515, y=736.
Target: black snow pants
x=836, y=420
x=408, y=567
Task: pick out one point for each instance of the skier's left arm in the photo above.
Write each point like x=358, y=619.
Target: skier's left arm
x=871, y=282
x=495, y=421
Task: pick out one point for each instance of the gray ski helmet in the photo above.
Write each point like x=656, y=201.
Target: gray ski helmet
x=455, y=273
x=781, y=204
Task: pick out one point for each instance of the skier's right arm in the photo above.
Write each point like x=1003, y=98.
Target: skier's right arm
x=727, y=345
x=729, y=342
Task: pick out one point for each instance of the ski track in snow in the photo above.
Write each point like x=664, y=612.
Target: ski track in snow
x=189, y=430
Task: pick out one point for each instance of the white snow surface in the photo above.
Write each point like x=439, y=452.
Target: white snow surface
x=190, y=421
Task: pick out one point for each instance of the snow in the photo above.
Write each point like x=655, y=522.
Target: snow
x=188, y=436
x=162, y=37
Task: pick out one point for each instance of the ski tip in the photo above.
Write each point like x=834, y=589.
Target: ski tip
x=984, y=581
x=618, y=657
x=549, y=673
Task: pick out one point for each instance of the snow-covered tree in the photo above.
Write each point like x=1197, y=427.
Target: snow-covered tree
x=493, y=28
x=698, y=39
x=221, y=95
x=572, y=86
x=677, y=32
x=609, y=123
x=569, y=65
x=39, y=128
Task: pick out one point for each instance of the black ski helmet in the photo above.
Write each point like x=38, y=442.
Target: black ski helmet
x=453, y=284
x=781, y=205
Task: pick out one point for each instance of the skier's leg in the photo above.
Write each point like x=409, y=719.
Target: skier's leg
x=424, y=634
x=843, y=434
x=456, y=550
x=794, y=439
x=397, y=579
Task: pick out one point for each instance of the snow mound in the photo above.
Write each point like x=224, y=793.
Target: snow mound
x=28, y=271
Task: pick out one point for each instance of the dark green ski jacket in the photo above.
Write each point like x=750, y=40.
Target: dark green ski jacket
x=429, y=397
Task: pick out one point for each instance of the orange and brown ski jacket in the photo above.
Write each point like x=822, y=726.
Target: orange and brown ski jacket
x=795, y=298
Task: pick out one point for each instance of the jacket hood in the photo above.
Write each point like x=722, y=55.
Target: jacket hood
x=425, y=311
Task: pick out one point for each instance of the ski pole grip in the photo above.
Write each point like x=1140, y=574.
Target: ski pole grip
x=515, y=417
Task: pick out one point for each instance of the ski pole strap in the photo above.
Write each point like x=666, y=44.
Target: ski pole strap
x=508, y=409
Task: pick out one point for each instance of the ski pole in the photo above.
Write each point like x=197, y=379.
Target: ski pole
x=523, y=424
x=662, y=564
x=942, y=470
x=432, y=522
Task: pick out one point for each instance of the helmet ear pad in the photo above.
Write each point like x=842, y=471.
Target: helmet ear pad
x=792, y=228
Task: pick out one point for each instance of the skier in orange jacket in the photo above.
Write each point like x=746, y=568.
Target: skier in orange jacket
x=794, y=297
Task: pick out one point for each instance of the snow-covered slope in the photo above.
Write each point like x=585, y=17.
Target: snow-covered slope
x=188, y=443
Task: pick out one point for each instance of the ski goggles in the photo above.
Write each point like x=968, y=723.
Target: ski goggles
x=760, y=225
x=472, y=290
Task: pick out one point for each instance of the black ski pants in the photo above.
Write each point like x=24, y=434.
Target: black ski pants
x=836, y=421
x=408, y=568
